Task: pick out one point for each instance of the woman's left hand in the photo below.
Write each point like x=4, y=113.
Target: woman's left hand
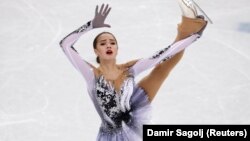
x=100, y=16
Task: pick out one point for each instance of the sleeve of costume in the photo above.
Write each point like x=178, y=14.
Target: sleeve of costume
x=81, y=65
x=162, y=55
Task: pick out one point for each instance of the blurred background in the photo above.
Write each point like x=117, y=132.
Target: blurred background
x=43, y=98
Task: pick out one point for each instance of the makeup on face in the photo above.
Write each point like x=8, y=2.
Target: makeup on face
x=107, y=43
x=106, y=46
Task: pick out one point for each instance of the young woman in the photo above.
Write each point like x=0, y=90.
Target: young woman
x=123, y=105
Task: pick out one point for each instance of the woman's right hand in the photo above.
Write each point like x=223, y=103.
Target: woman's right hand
x=100, y=16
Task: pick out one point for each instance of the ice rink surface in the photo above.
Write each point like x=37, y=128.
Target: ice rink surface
x=43, y=98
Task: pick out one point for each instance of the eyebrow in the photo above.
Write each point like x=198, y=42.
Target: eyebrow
x=105, y=40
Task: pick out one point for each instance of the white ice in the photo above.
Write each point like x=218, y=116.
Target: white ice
x=43, y=98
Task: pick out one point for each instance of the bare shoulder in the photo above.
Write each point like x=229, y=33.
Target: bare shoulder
x=128, y=64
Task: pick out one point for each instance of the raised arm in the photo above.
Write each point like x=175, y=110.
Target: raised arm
x=67, y=44
x=163, y=54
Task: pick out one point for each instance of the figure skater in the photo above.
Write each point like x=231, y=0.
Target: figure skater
x=123, y=105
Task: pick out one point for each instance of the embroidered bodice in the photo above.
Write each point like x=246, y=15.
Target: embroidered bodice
x=114, y=103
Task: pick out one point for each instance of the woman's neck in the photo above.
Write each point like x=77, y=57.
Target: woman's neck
x=110, y=70
x=108, y=67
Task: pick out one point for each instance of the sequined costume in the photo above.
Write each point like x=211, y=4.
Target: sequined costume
x=122, y=111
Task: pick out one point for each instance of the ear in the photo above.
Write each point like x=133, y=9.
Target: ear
x=96, y=52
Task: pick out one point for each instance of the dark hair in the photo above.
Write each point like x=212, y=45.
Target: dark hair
x=95, y=42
